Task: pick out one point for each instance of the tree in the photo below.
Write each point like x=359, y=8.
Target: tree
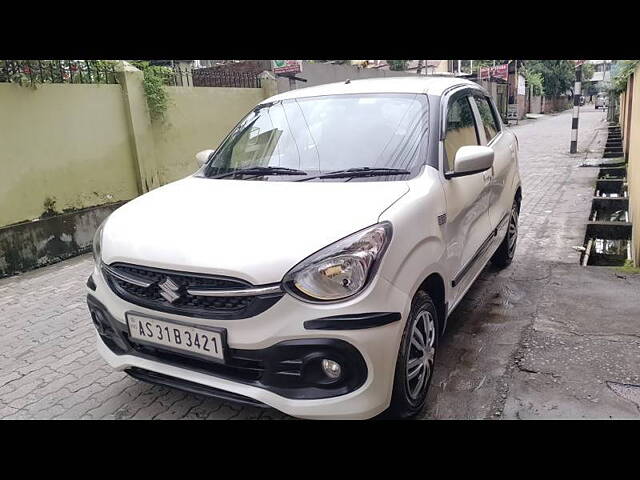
x=623, y=71
x=535, y=80
x=398, y=65
x=558, y=75
x=587, y=71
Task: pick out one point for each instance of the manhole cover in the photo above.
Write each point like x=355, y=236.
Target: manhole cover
x=626, y=391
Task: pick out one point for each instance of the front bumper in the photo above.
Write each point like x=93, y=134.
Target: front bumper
x=368, y=354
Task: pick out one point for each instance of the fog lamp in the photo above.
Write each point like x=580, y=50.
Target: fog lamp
x=331, y=369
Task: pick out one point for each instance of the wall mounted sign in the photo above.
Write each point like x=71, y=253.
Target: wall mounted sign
x=287, y=66
x=499, y=71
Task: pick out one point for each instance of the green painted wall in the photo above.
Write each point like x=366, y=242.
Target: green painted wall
x=198, y=118
x=88, y=145
x=69, y=143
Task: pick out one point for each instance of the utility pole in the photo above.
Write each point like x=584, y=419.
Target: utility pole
x=577, y=91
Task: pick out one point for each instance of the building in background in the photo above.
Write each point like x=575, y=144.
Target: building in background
x=602, y=71
x=600, y=81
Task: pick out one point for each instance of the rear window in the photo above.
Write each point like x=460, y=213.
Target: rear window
x=328, y=133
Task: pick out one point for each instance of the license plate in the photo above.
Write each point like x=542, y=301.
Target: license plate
x=175, y=336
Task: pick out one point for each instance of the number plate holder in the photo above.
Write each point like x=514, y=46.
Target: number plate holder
x=220, y=334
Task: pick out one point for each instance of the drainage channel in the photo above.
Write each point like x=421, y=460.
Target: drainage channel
x=608, y=236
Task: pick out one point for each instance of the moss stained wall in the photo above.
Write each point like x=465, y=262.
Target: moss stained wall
x=62, y=147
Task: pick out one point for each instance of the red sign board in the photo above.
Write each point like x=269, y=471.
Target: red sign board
x=287, y=66
x=499, y=71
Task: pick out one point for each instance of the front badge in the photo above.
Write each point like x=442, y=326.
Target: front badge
x=169, y=290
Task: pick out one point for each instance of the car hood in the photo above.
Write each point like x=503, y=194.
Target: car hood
x=254, y=230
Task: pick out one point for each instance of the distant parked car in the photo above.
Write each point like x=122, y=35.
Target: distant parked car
x=312, y=262
x=602, y=101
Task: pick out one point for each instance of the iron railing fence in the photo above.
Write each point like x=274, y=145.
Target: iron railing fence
x=57, y=71
x=35, y=72
x=205, y=77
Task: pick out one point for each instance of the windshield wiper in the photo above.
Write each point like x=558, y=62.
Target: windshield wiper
x=360, y=172
x=260, y=171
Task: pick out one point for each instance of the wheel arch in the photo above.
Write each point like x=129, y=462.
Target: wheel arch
x=434, y=285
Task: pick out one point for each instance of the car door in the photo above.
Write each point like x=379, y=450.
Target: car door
x=467, y=222
x=502, y=142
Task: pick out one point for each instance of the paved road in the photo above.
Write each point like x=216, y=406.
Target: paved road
x=498, y=354
x=49, y=367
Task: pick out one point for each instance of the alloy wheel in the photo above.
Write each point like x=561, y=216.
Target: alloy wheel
x=513, y=231
x=421, y=354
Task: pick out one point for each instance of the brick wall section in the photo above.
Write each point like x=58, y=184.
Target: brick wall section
x=556, y=104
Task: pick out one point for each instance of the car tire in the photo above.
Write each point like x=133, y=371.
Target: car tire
x=503, y=256
x=415, y=361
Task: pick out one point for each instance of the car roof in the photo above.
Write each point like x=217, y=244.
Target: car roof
x=431, y=84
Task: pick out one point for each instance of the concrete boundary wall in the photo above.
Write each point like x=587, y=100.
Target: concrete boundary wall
x=62, y=147
x=30, y=245
x=630, y=127
x=188, y=128
x=70, y=149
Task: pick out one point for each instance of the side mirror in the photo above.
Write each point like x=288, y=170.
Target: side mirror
x=472, y=159
x=203, y=156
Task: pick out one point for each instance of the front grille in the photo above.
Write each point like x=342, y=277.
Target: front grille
x=228, y=307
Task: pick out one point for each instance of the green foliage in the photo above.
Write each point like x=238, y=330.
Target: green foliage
x=628, y=268
x=558, y=76
x=398, y=65
x=587, y=71
x=155, y=80
x=535, y=80
x=623, y=71
x=590, y=88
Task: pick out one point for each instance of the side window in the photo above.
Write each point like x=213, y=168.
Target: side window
x=461, y=129
x=489, y=121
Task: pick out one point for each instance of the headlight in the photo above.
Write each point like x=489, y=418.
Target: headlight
x=97, y=244
x=342, y=269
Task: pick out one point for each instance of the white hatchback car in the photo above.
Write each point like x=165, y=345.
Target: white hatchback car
x=311, y=263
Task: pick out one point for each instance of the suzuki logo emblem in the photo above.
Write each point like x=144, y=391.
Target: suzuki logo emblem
x=169, y=290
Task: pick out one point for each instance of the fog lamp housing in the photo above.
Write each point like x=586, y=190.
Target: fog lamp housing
x=331, y=368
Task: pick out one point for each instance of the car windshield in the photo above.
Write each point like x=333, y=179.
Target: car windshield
x=318, y=135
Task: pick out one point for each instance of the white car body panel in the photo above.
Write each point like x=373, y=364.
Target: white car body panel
x=238, y=228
